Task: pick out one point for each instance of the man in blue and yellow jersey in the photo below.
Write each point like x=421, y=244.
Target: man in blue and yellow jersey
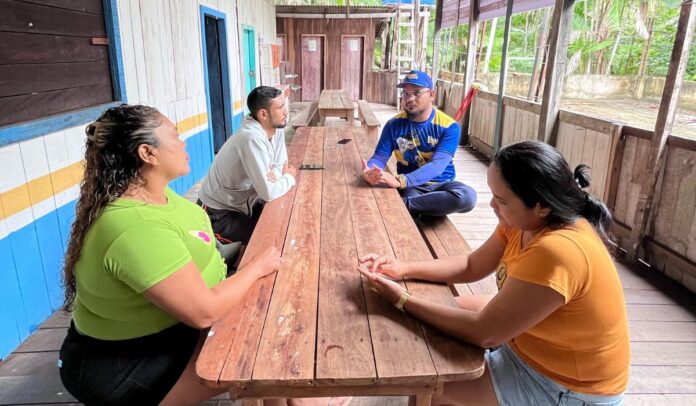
x=423, y=140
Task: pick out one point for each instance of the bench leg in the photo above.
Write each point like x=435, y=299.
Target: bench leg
x=422, y=399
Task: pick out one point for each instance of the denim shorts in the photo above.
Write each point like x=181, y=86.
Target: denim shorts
x=516, y=383
x=139, y=371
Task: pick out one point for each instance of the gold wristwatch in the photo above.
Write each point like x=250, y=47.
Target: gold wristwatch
x=405, y=294
x=402, y=181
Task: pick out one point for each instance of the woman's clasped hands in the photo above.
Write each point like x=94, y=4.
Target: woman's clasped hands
x=382, y=271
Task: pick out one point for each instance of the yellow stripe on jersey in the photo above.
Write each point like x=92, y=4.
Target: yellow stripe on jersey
x=442, y=119
x=399, y=157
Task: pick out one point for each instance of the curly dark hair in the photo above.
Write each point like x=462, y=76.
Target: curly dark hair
x=111, y=165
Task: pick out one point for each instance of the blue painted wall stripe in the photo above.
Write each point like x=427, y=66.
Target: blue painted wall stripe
x=32, y=284
x=51, y=251
x=31, y=260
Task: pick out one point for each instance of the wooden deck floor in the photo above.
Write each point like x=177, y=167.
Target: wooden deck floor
x=662, y=320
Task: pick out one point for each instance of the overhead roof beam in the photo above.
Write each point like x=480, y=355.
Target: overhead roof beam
x=338, y=16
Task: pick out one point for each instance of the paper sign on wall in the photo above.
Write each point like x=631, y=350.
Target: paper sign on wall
x=353, y=45
x=312, y=45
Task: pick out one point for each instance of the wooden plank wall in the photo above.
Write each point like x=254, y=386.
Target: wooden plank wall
x=616, y=155
x=520, y=120
x=670, y=242
x=333, y=29
x=675, y=214
x=448, y=96
x=49, y=67
x=39, y=178
x=635, y=154
x=590, y=141
x=381, y=87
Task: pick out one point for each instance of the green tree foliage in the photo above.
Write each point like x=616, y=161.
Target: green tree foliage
x=608, y=38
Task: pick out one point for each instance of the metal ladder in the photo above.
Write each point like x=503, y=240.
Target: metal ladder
x=410, y=47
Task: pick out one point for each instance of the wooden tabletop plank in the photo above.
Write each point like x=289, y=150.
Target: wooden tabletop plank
x=401, y=354
x=336, y=99
x=286, y=353
x=228, y=354
x=454, y=360
x=344, y=350
x=346, y=101
x=325, y=99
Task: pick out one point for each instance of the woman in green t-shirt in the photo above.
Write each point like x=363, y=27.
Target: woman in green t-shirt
x=142, y=274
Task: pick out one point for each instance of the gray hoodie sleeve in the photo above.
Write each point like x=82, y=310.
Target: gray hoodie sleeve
x=257, y=160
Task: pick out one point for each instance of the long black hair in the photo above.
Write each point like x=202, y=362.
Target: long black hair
x=111, y=165
x=538, y=173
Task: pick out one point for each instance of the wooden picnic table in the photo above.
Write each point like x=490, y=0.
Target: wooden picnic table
x=335, y=103
x=315, y=328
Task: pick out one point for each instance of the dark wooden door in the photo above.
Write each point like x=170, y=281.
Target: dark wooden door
x=352, y=66
x=312, y=67
x=215, y=83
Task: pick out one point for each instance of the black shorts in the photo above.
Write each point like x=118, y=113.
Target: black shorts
x=231, y=226
x=139, y=371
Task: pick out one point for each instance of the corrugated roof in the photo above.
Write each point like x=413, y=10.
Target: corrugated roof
x=488, y=9
x=291, y=9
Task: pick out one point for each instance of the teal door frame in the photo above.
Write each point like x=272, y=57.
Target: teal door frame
x=249, y=47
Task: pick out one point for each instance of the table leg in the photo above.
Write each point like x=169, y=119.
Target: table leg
x=422, y=399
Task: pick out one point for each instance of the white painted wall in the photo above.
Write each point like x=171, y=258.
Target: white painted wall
x=262, y=17
x=163, y=66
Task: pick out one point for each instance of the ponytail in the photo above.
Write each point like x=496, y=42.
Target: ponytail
x=593, y=209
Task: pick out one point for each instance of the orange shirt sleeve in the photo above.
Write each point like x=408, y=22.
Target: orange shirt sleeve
x=553, y=261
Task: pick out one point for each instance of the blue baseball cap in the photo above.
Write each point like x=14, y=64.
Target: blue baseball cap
x=417, y=78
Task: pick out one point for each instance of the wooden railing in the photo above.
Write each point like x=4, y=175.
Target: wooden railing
x=381, y=87
x=617, y=154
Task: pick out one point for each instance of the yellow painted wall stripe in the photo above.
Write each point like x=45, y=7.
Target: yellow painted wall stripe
x=192, y=122
x=25, y=195
x=237, y=105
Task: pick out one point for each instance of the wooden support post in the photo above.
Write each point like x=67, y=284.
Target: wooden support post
x=663, y=125
x=561, y=27
x=415, y=47
x=539, y=53
x=453, y=67
x=498, y=134
x=470, y=73
x=436, y=40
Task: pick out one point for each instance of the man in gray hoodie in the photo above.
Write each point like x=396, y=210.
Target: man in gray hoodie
x=250, y=169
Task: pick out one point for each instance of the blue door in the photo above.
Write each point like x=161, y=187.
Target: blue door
x=249, y=45
x=216, y=71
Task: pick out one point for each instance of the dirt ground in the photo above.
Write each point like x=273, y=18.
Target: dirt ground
x=636, y=113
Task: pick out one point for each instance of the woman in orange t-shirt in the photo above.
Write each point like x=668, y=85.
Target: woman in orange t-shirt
x=558, y=323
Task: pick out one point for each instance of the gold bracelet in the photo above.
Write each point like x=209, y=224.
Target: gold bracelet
x=402, y=181
x=405, y=294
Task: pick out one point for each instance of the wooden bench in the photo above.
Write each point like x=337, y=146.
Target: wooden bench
x=444, y=240
x=308, y=117
x=368, y=120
